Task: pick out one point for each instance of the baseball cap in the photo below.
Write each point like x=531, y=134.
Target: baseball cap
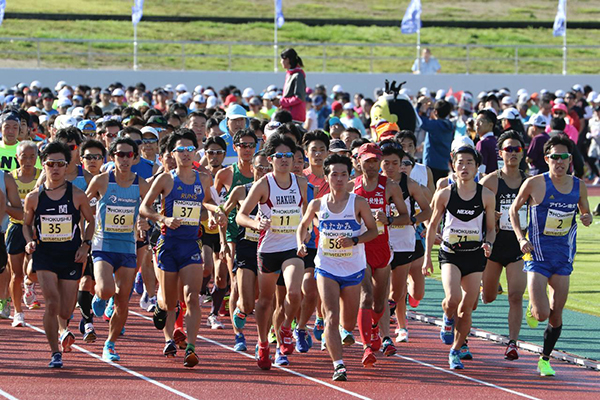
x=385, y=129
x=211, y=102
x=524, y=98
x=86, y=125
x=77, y=113
x=235, y=111
x=157, y=119
x=140, y=103
x=559, y=93
x=561, y=107
x=521, y=91
x=184, y=97
x=510, y=113
x=64, y=121
x=271, y=88
x=336, y=106
x=348, y=106
x=47, y=95
x=462, y=141
x=33, y=110
x=64, y=92
x=64, y=102
x=230, y=99
x=538, y=120
x=199, y=98
x=35, y=85
x=507, y=100
x=255, y=101
x=368, y=151
x=338, y=89
x=318, y=100
x=337, y=146
x=199, y=89
x=425, y=92
x=248, y=92
x=440, y=94
x=149, y=129
x=118, y=92
x=466, y=105
x=592, y=96
x=271, y=128
x=577, y=88
x=181, y=88
x=60, y=85
x=452, y=100
x=334, y=121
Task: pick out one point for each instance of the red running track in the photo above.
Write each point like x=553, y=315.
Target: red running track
x=418, y=371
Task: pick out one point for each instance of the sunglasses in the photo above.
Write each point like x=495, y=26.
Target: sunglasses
x=181, y=149
x=149, y=141
x=215, y=152
x=282, y=155
x=111, y=135
x=246, y=145
x=72, y=147
x=407, y=163
x=263, y=168
x=396, y=146
x=513, y=149
x=90, y=157
x=138, y=141
x=124, y=154
x=55, y=163
x=559, y=156
x=355, y=156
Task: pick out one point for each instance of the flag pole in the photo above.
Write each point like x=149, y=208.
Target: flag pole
x=135, y=48
x=275, y=66
x=419, y=50
x=565, y=43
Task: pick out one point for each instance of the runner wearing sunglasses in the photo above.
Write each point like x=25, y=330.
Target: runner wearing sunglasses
x=505, y=184
x=281, y=196
x=550, y=242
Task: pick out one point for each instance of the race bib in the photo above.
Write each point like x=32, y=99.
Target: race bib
x=56, y=228
x=463, y=235
x=394, y=213
x=187, y=211
x=331, y=247
x=380, y=227
x=285, y=221
x=252, y=235
x=119, y=219
x=505, y=224
x=558, y=223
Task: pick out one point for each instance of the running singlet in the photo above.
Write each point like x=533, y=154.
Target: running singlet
x=419, y=174
x=377, y=201
x=552, y=226
x=402, y=237
x=236, y=180
x=284, y=208
x=504, y=199
x=23, y=189
x=336, y=260
x=463, y=222
x=217, y=199
x=248, y=236
x=184, y=202
x=320, y=184
x=116, y=214
x=57, y=222
x=79, y=180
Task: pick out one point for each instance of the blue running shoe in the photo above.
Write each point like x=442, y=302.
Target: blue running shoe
x=309, y=340
x=123, y=331
x=98, y=306
x=319, y=329
x=56, y=360
x=109, y=353
x=82, y=326
x=447, y=331
x=239, y=318
x=138, y=285
x=347, y=337
x=454, y=360
x=281, y=359
x=110, y=308
x=301, y=341
x=240, y=342
x=464, y=353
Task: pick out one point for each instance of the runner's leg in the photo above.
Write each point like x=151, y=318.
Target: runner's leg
x=329, y=291
x=124, y=278
x=52, y=304
x=517, y=282
x=470, y=292
x=191, y=278
x=536, y=285
x=491, y=278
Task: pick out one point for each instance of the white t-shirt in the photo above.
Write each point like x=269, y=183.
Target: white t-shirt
x=311, y=118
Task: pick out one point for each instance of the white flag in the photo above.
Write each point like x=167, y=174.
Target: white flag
x=2, y=7
x=560, y=22
x=411, y=22
x=279, y=14
x=137, y=11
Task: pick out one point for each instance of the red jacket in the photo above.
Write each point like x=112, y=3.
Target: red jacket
x=294, y=94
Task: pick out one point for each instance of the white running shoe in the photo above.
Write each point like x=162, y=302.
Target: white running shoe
x=29, y=297
x=402, y=336
x=151, y=304
x=18, y=320
x=213, y=322
x=144, y=301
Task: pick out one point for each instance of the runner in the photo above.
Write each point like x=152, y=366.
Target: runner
x=281, y=195
x=464, y=244
x=113, y=248
x=379, y=192
x=505, y=184
x=341, y=262
x=55, y=208
x=553, y=199
x=184, y=191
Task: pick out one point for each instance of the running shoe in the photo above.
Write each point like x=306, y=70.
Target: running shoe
x=66, y=341
x=29, y=297
x=447, y=331
x=309, y=340
x=414, y=303
x=287, y=342
x=375, y=338
x=4, y=308
x=89, y=335
x=512, y=351
x=170, y=349
x=109, y=353
x=98, y=306
x=531, y=321
x=281, y=359
x=191, y=359
x=319, y=328
x=240, y=342
x=339, y=374
x=294, y=324
x=500, y=290
x=56, y=360
x=180, y=338
x=151, y=304
x=392, y=305
x=347, y=337
x=261, y=354
x=144, y=301
x=213, y=322
x=159, y=318
x=207, y=299
x=544, y=368
x=110, y=309
x=138, y=285
x=369, y=358
x=301, y=341
x=454, y=360
x=239, y=318
x=18, y=320
x=402, y=336
x=465, y=353
x=272, y=335
x=323, y=345
x=388, y=347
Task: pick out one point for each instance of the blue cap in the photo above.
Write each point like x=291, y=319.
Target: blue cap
x=318, y=100
x=334, y=121
x=86, y=125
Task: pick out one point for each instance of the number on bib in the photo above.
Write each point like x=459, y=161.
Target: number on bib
x=558, y=223
x=252, y=235
x=331, y=247
x=505, y=223
x=119, y=219
x=187, y=211
x=56, y=228
x=285, y=221
x=463, y=235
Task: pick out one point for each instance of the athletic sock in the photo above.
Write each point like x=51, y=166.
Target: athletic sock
x=364, y=325
x=84, y=298
x=179, y=320
x=376, y=317
x=203, y=289
x=217, y=299
x=338, y=362
x=551, y=335
x=190, y=347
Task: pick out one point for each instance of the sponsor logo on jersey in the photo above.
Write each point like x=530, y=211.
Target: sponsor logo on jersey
x=465, y=212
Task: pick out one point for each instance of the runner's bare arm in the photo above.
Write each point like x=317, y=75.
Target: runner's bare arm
x=520, y=200
x=303, y=184
x=223, y=179
x=440, y=201
x=489, y=203
x=235, y=199
x=97, y=187
x=83, y=204
x=417, y=193
x=363, y=213
x=161, y=186
x=208, y=201
x=394, y=192
x=13, y=208
x=584, y=206
x=258, y=194
x=31, y=203
x=303, y=231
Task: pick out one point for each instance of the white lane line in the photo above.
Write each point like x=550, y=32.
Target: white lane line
x=320, y=382
x=7, y=395
x=122, y=368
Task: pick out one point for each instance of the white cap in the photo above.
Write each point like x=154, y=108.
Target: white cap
x=118, y=92
x=208, y=93
x=425, y=92
x=212, y=102
x=64, y=102
x=1, y=99
x=521, y=91
x=481, y=95
x=592, y=96
x=149, y=129
x=452, y=100
x=181, y=88
x=43, y=118
x=64, y=92
x=507, y=100
x=578, y=88
x=440, y=94
x=504, y=92
x=524, y=98
x=60, y=85
x=77, y=112
x=168, y=87
x=33, y=109
x=404, y=91
x=271, y=128
x=348, y=106
x=199, y=89
x=269, y=95
x=184, y=97
x=559, y=93
x=337, y=89
x=543, y=92
x=35, y=84
x=248, y=92
x=597, y=99
x=510, y=113
x=271, y=88
x=199, y=98
x=64, y=121
x=462, y=141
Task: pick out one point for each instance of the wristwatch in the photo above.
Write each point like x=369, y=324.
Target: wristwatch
x=355, y=240
x=390, y=220
x=413, y=219
x=88, y=242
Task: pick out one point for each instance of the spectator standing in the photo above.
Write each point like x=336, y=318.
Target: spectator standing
x=429, y=64
x=487, y=145
x=294, y=88
x=438, y=138
x=535, y=152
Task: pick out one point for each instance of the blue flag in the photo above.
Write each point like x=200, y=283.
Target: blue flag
x=137, y=11
x=411, y=22
x=2, y=7
x=560, y=22
x=279, y=14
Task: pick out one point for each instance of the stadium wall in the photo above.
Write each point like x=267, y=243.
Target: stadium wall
x=353, y=83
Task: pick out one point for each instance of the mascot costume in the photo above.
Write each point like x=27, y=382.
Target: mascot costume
x=394, y=107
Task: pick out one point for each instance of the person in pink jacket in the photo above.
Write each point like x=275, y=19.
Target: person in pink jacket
x=294, y=88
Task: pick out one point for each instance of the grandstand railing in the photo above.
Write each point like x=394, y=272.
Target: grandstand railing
x=258, y=56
